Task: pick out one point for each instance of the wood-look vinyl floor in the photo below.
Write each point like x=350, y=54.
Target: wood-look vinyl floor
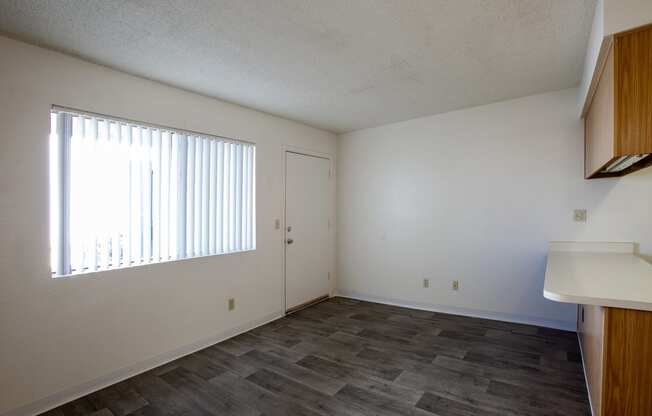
x=347, y=357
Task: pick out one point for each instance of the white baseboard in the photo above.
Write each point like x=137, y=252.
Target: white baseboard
x=454, y=310
x=69, y=394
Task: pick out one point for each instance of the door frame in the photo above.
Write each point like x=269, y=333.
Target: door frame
x=310, y=153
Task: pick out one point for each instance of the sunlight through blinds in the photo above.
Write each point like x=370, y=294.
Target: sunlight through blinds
x=124, y=194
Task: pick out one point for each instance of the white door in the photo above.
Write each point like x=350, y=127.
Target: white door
x=307, y=216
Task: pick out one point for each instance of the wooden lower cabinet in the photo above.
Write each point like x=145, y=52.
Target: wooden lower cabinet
x=617, y=353
x=590, y=323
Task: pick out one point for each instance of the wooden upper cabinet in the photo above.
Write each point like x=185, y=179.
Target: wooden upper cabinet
x=618, y=123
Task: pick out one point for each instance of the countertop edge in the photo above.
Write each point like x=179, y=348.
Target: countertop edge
x=609, y=303
x=593, y=248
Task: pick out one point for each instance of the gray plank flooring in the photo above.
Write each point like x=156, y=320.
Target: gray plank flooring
x=348, y=357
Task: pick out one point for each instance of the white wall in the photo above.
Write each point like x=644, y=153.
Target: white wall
x=622, y=15
x=56, y=334
x=594, y=48
x=475, y=195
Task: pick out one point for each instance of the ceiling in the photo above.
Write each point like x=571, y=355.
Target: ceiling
x=340, y=65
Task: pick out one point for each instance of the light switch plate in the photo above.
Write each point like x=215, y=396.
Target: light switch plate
x=579, y=215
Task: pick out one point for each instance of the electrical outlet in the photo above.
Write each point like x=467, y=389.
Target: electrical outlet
x=426, y=282
x=231, y=304
x=456, y=285
x=277, y=224
x=579, y=215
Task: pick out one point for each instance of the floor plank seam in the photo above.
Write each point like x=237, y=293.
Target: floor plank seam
x=352, y=357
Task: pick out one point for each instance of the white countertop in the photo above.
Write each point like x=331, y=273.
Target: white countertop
x=605, y=274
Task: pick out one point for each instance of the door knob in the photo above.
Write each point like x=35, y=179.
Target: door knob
x=289, y=241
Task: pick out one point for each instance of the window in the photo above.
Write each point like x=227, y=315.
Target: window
x=124, y=194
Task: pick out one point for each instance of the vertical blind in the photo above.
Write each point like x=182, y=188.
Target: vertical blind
x=124, y=194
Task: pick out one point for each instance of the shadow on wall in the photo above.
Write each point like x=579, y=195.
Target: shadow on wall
x=619, y=209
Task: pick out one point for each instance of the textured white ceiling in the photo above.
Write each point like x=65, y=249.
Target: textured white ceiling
x=337, y=64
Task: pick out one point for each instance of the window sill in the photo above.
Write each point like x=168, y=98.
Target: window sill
x=143, y=265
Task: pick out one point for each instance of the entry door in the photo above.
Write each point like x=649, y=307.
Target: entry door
x=307, y=215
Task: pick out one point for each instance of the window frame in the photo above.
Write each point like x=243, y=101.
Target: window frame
x=63, y=180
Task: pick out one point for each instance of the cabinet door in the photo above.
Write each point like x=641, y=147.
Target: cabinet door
x=599, y=123
x=633, y=86
x=628, y=363
x=591, y=330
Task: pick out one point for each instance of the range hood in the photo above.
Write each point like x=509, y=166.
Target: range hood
x=624, y=162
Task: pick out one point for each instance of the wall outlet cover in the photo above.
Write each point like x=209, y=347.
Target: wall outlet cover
x=231, y=304
x=426, y=282
x=456, y=285
x=579, y=215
